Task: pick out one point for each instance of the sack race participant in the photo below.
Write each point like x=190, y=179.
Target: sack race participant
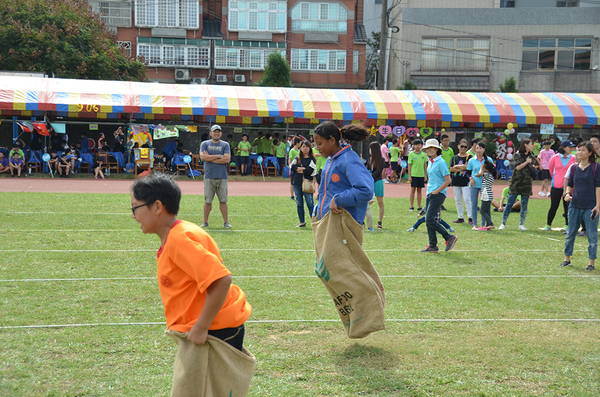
x=205, y=313
x=341, y=264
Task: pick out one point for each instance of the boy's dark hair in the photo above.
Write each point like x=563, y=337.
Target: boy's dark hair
x=595, y=136
x=158, y=187
x=245, y=135
x=64, y=154
x=474, y=141
x=444, y=137
x=387, y=139
x=417, y=142
x=276, y=135
x=395, y=141
x=53, y=151
x=297, y=140
x=350, y=132
x=275, y=142
x=546, y=143
x=268, y=136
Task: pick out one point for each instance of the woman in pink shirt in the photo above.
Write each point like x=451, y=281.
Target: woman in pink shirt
x=558, y=166
x=544, y=159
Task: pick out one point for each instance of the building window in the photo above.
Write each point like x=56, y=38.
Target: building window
x=126, y=45
x=113, y=13
x=258, y=15
x=355, y=62
x=455, y=54
x=556, y=54
x=174, y=55
x=321, y=17
x=318, y=60
x=567, y=3
x=507, y=4
x=167, y=13
x=241, y=58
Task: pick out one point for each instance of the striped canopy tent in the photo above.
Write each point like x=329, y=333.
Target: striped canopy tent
x=22, y=96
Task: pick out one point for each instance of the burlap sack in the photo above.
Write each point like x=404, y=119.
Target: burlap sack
x=215, y=369
x=348, y=274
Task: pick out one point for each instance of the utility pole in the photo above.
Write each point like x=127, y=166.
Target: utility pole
x=382, y=45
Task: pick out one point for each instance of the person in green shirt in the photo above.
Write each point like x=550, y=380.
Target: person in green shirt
x=244, y=148
x=258, y=143
x=417, y=173
x=321, y=160
x=499, y=206
x=536, y=147
x=447, y=151
x=279, y=151
x=471, y=151
x=267, y=146
x=294, y=152
x=395, y=152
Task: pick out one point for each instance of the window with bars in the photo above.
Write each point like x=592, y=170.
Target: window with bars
x=318, y=60
x=567, y=3
x=507, y=3
x=126, y=45
x=168, y=55
x=242, y=58
x=263, y=15
x=321, y=17
x=167, y=13
x=455, y=54
x=113, y=13
x=556, y=54
x=355, y=62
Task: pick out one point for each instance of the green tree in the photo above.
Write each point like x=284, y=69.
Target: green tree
x=510, y=85
x=407, y=85
x=372, y=60
x=277, y=72
x=62, y=38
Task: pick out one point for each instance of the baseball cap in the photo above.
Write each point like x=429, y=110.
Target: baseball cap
x=567, y=143
x=215, y=127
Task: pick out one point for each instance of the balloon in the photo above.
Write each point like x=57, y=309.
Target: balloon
x=259, y=160
x=403, y=164
x=187, y=159
x=512, y=130
x=509, y=126
x=46, y=157
x=509, y=156
x=507, y=132
x=443, y=130
x=506, y=163
x=509, y=150
x=499, y=134
x=509, y=143
x=485, y=140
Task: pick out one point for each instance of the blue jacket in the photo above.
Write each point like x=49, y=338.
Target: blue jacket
x=346, y=179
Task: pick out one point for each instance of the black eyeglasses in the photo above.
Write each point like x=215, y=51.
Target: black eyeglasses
x=462, y=146
x=135, y=208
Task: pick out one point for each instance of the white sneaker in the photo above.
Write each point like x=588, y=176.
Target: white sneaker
x=204, y=224
x=542, y=194
x=227, y=225
x=502, y=227
x=522, y=228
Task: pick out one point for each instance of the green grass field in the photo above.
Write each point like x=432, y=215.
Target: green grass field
x=81, y=314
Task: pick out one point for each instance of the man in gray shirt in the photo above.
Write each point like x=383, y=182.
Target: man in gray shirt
x=215, y=154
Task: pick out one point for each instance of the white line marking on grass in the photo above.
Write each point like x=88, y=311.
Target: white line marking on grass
x=277, y=276
x=135, y=230
x=395, y=320
x=264, y=250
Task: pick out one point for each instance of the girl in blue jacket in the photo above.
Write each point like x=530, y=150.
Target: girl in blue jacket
x=346, y=183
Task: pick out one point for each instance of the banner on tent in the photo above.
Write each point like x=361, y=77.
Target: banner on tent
x=523, y=135
x=163, y=132
x=546, y=129
x=562, y=137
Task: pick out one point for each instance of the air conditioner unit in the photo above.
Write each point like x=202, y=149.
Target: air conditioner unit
x=182, y=74
x=221, y=78
x=200, y=80
x=240, y=78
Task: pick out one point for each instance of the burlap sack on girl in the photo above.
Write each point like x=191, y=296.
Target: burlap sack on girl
x=214, y=369
x=348, y=274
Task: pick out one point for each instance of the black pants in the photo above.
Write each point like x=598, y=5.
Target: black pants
x=233, y=336
x=555, y=199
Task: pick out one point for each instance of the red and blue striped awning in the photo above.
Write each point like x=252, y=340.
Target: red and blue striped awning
x=78, y=97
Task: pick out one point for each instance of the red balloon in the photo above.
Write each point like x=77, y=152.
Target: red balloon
x=509, y=143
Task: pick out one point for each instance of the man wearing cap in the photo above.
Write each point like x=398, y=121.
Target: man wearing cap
x=215, y=154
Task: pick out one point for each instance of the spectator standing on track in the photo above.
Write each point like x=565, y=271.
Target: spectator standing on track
x=460, y=183
x=583, y=194
x=447, y=151
x=417, y=173
x=473, y=167
x=544, y=158
x=521, y=182
x=244, y=148
x=215, y=154
x=376, y=166
x=293, y=153
x=558, y=165
x=304, y=167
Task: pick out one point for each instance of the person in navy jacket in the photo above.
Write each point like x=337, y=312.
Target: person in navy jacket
x=346, y=183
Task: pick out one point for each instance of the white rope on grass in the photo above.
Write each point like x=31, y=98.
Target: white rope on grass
x=302, y=276
x=395, y=320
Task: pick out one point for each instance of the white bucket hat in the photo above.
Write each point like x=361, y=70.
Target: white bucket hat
x=432, y=143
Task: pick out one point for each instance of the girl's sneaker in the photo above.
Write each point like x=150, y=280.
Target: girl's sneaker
x=371, y=229
x=475, y=228
x=451, y=230
x=522, y=228
x=412, y=229
x=482, y=228
x=547, y=228
x=491, y=227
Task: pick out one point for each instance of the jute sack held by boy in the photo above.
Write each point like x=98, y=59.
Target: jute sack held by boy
x=348, y=274
x=229, y=373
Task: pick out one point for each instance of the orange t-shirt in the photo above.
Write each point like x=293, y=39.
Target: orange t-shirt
x=188, y=263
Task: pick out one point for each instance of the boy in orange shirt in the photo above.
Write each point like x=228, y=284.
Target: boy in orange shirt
x=194, y=285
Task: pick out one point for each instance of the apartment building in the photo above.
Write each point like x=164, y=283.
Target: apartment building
x=228, y=42
x=475, y=45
